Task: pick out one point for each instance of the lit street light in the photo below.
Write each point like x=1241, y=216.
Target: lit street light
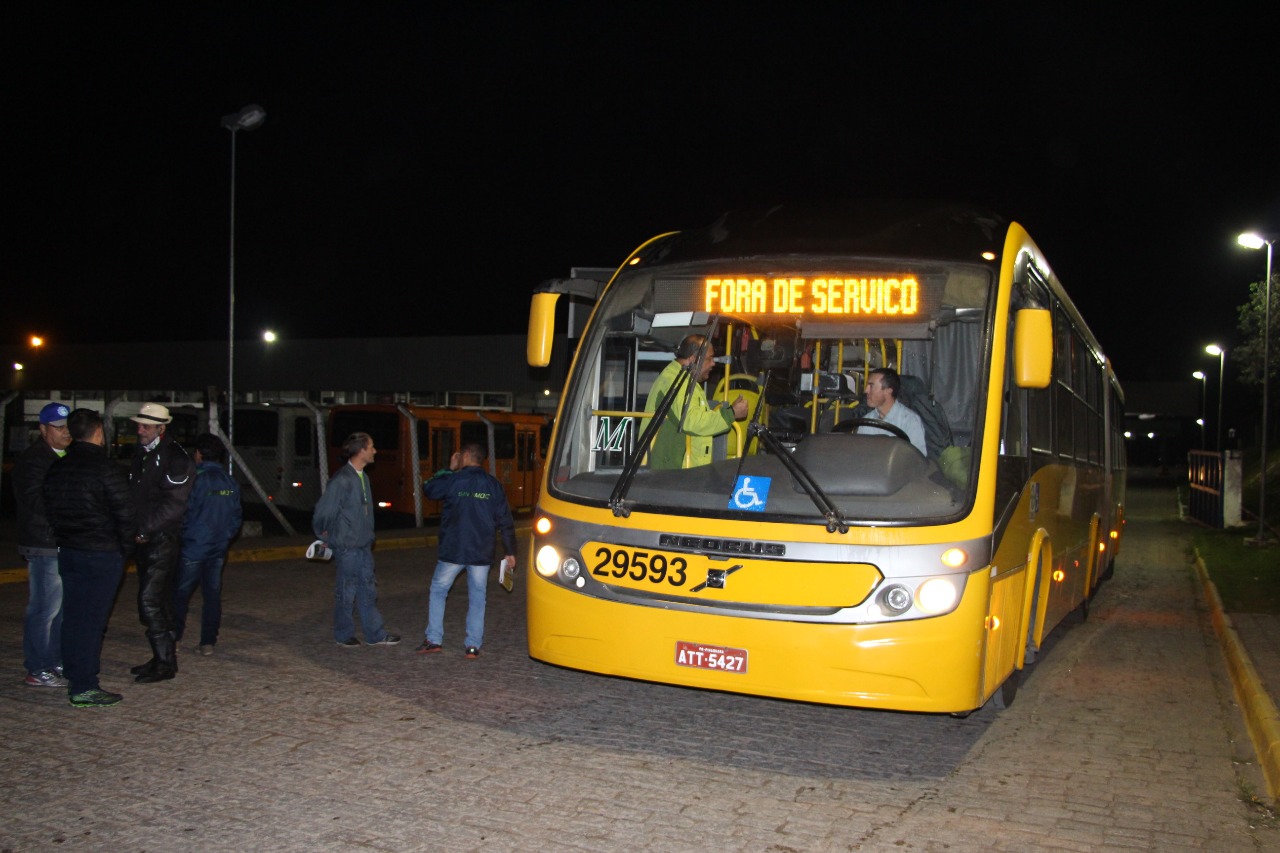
x=269, y=336
x=1199, y=374
x=1257, y=241
x=1214, y=349
x=247, y=118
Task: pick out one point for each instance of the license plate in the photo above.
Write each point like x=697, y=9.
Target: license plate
x=702, y=656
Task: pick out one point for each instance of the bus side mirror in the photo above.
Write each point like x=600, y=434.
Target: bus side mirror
x=542, y=327
x=1033, y=348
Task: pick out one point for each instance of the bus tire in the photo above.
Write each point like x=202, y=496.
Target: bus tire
x=1006, y=692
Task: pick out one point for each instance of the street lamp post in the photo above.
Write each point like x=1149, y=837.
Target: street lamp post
x=247, y=118
x=1257, y=241
x=1199, y=374
x=1214, y=349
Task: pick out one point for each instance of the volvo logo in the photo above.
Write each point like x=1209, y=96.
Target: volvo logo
x=722, y=546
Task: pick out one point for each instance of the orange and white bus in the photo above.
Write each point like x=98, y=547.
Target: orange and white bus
x=414, y=442
x=809, y=560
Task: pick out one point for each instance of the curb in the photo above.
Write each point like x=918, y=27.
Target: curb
x=1260, y=715
x=292, y=551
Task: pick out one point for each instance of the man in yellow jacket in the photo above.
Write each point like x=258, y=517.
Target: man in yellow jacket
x=690, y=415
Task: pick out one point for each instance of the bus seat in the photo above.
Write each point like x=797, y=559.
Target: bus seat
x=937, y=428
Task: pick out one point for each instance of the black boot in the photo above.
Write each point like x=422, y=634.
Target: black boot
x=165, y=660
x=144, y=668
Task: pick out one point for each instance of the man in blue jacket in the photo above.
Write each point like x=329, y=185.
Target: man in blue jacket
x=475, y=506
x=343, y=520
x=212, y=521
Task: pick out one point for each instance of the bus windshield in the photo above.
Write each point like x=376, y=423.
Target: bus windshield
x=798, y=339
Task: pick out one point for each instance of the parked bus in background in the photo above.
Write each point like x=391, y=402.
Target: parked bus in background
x=812, y=560
x=512, y=440
x=276, y=441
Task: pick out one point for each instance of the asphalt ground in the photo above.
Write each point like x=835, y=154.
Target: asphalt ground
x=1125, y=735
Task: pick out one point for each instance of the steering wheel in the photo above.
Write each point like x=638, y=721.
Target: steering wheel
x=853, y=424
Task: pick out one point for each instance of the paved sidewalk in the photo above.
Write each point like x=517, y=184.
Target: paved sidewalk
x=1124, y=736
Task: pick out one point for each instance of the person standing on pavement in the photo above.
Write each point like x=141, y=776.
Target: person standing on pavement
x=161, y=482
x=212, y=521
x=343, y=520
x=87, y=500
x=42, y=628
x=475, y=507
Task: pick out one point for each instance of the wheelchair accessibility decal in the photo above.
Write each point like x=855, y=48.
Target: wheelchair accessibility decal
x=750, y=493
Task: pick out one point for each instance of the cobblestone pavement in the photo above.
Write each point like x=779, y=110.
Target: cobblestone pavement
x=1124, y=736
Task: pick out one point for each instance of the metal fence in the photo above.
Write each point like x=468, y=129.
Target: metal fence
x=1205, y=478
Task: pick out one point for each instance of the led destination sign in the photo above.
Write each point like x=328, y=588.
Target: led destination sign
x=889, y=297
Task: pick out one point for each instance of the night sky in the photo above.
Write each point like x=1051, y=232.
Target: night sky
x=423, y=166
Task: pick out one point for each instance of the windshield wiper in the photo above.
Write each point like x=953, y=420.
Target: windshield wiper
x=836, y=522
x=755, y=429
x=620, y=488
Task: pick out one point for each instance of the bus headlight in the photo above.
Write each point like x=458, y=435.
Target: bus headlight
x=936, y=595
x=547, y=562
x=570, y=569
x=894, y=600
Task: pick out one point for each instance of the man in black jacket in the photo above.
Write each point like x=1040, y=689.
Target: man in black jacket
x=42, y=628
x=86, y=498
x=161, y=480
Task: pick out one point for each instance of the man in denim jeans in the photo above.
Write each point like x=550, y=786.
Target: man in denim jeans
x=343, y=520
x=41, y=632
x=475, y=506
x=212, y=521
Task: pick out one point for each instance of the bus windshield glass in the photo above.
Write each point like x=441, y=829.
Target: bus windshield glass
x=803, y=342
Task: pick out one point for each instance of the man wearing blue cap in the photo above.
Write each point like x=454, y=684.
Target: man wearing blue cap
x=41, y=631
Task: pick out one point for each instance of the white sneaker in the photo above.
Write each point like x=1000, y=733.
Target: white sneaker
x=47, y=678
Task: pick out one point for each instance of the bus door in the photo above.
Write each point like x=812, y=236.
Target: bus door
x=444, y=442
x=386, y=480
x=528, y=470
x=301, y=474
x=257, y=437
x=502, y=452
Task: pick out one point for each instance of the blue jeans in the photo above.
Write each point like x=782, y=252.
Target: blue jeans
x=355, y=585
x=206, y=574
x=90, y=581
x=42, y=630
x=441, y=581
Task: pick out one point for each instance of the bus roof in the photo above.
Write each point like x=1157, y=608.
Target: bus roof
x=887, y=229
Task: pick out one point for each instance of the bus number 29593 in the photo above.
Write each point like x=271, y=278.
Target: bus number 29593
x=639, y=566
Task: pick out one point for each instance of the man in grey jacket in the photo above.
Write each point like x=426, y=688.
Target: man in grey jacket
x=343, y=520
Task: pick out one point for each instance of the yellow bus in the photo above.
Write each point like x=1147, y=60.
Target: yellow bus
x=811, y=559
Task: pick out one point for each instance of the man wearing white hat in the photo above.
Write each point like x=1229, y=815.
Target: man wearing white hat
x=161, y=481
